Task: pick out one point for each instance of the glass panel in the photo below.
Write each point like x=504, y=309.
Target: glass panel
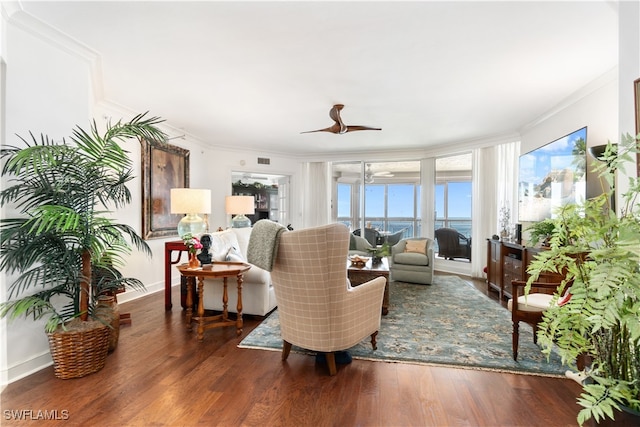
x=401, y=200
x=391, y=195
x=374, y=201
x=459, y=206
x=440, y=212
x=344, y=200
x=453, y=195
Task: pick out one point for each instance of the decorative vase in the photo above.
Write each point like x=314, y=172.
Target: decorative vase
x=193, y=260
x=107, y=310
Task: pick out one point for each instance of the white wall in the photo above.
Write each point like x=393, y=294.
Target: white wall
x=595, y=106
x=46, y=91
x=629, y=48
x=3, y=284
x=50, y=90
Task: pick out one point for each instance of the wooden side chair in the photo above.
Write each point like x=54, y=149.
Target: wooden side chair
x=529, y=309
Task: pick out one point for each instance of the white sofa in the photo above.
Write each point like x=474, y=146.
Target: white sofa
x=258, y=296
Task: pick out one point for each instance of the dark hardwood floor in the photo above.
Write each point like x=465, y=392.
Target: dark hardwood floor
x=161, y=376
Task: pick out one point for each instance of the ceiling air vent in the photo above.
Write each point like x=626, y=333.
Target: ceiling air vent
x=264, y=161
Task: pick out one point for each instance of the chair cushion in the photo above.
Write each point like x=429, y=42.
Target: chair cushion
x=417, y=246
x=412, y=258
x=533, y=302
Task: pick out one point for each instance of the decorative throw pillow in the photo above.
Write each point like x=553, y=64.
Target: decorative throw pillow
x=235, y=255
x=417, y=246
x=352, y=242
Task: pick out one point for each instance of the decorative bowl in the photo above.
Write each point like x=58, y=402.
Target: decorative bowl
x=358, y=261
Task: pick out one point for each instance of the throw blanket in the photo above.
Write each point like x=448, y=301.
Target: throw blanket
x=263, y=243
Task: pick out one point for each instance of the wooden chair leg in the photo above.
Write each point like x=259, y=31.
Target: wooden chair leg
x=374, y=343
x=514, y=337
x=331, y=363
x=286, y=349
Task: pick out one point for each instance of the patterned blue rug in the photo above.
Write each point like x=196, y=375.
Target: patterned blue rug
x=447, y=323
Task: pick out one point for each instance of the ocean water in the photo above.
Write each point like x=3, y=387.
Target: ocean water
x=412, y=228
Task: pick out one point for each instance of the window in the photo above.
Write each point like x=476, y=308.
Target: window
x=344, y=204
x=453, y=194
x=391, y=199
x=453, y=206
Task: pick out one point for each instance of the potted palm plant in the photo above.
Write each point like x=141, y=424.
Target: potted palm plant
x=64, y=193
x=598, y=250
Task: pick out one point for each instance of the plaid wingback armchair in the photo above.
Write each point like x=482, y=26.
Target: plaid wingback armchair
x=318, y=309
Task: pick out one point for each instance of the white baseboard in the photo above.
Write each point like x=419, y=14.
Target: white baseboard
x=43, y=360
x=453, y=267
x=133, y=295
x=28, y=367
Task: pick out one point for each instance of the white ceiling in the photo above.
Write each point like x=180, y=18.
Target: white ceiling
x=256, y=74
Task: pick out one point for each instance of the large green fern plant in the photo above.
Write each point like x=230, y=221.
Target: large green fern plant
x=64, y=193
x=599, y=252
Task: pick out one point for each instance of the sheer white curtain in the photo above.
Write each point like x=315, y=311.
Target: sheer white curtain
x=316, y=206
x=507, y=180
x=495, y=184
x=427, y=208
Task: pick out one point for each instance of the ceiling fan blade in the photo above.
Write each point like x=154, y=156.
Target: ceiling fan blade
x=333, y=129
x=339, y=127
x=354, y=128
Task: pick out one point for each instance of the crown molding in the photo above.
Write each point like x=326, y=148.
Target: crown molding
x=600, y=82
x=17, y=17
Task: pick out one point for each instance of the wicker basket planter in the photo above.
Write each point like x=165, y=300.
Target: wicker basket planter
x=80, y=350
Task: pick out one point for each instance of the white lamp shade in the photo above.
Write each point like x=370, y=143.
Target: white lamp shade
x=190, y=201
x=239, y=205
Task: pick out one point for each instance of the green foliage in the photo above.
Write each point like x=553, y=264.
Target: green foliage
x=540, y=231
x=599, y=253
x=384, y=250
x=64, y=194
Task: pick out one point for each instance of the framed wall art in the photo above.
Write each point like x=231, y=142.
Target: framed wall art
x=164, y=167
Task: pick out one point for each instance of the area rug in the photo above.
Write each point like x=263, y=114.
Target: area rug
x=447, y=323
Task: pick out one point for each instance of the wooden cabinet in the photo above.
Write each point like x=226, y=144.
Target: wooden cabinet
x=494, y=265
x=508, y=261
x=266, y=201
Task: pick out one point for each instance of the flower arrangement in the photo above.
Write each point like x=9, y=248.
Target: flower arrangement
x=192, y=243
x=505, y=216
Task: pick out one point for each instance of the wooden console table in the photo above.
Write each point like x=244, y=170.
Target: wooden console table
x=508, y=261
x=217, y=269
x=169, y=248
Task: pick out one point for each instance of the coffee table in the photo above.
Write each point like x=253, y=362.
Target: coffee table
x=360, y=275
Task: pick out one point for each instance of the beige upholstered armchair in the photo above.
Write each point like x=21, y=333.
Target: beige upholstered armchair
x=318, y=309
x=412, y=260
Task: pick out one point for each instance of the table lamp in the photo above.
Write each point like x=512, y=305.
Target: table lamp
x=240, y=206
x=191, y=202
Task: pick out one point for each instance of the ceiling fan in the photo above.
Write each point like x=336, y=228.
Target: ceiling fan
x=339, y=127
x=369, y=175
